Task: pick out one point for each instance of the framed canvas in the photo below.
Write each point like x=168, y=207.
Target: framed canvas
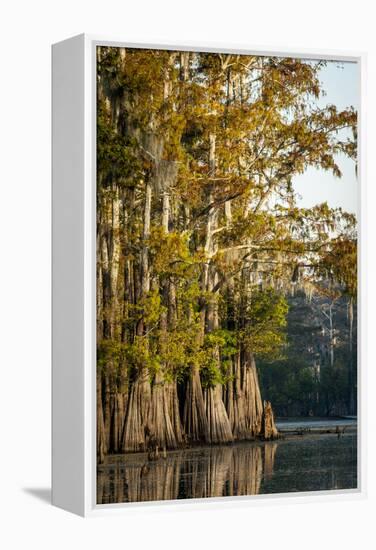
x=207, y=275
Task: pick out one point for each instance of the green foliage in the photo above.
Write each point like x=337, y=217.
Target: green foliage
x=264, y=334
x=221, y=344
x=157, y=112
x=149, y=309
x=117, y=159
x=169, y=253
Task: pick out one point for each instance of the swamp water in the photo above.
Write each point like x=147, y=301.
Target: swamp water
x=295, y=464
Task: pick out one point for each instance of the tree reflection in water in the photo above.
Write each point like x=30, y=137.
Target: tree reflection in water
x=194, y=473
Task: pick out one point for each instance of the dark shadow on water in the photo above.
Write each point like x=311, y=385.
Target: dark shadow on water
x=41, y=493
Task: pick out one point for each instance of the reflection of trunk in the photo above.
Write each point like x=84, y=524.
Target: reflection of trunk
x=217, y=473
x=210, y=472
x=269, y=456
x=246, y=471
x=140, y=483
x=195, y=422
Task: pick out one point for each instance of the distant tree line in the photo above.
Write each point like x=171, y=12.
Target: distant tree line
x=318, y=374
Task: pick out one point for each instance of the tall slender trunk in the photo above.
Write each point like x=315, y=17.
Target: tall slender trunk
x=252, y=396
x=140, y=393
x=331, y=335
x=101, y=438
x=218, y=421
x=236, y=401
x=145, y=272
x=352, y=401
x=164, y=418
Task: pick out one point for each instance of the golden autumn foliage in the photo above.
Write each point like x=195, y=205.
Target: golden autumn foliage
x=199, y=236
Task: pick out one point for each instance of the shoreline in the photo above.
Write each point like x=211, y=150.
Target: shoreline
x=285, y=436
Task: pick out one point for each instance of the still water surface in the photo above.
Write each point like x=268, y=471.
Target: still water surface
x=310, y=463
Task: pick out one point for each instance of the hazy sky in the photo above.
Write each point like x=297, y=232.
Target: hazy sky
x=341, y=83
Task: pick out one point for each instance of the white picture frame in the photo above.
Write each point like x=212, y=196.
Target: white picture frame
x=73, y=275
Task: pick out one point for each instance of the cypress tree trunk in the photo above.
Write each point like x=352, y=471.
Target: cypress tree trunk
x=252, y=396
x=164, y=418
x=268, y=430
x=101, y=438
x=218, y=421
x=235, y=402
x=133, y=439
x=174, y=412
x=352, y=401
x=140, y=393
x=194, y=417
x=138, y=190
x=159, y=422
x=107, y=408
x=118, y=407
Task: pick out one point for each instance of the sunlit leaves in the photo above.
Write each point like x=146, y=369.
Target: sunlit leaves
x=153, y=112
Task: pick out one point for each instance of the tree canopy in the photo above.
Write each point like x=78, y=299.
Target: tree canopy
x=200, y=237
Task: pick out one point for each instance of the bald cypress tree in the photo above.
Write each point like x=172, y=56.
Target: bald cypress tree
x=199, y=237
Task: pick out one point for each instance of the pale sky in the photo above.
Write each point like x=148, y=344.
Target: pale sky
x=341, y=83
